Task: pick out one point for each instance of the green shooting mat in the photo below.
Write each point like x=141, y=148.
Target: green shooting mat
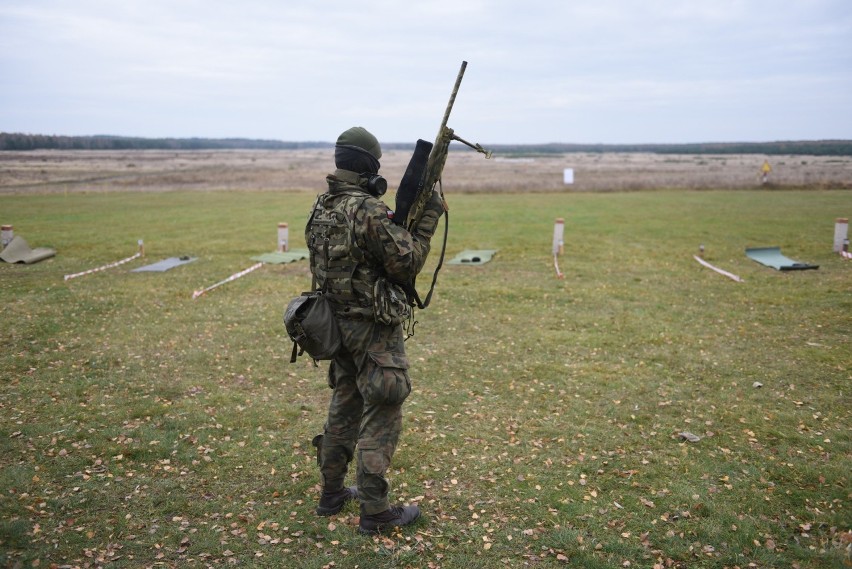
x=772, y=257
x=473, y=257
x=280, y=257
x=165, y=264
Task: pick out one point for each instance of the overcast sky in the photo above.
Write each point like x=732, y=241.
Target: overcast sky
x=584, y=71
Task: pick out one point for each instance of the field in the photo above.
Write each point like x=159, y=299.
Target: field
x=140, y=427
x=466, y=171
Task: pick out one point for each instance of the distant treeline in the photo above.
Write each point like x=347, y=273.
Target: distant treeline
x=802, y=147
x=19, y=141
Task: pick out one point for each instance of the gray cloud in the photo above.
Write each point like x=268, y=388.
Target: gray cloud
x=539, y=71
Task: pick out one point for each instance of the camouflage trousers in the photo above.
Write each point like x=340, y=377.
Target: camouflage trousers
x=369, y=379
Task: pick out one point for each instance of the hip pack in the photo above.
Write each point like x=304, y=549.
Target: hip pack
x=311, y=324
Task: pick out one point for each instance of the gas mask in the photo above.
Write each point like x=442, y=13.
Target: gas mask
x=375, y=184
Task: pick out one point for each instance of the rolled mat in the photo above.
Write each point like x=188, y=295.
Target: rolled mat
x=18, y=251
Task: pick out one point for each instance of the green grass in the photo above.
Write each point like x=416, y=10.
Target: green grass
x=142, y=428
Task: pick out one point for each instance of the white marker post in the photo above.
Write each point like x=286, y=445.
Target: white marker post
x=283, y=237
x=559, y=236
x=8, y=233
x=568, y=176
x=841, y=229
x=558, y=243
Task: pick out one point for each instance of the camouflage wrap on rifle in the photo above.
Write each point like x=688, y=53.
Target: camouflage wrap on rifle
x=437, y=160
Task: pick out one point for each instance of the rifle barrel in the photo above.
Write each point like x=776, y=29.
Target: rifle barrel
x=452, y=100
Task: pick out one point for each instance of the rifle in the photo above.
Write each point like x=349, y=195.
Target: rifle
x=423, y=177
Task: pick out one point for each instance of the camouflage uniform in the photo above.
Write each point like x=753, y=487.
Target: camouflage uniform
x=369, y=376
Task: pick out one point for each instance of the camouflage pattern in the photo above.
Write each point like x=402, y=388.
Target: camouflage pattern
x=381, y=247
x=369, y=376
x=365, y=407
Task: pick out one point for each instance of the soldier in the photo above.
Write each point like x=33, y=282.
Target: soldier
x=358, y=257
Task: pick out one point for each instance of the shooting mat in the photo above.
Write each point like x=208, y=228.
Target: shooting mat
x=772, y=257
x=165, y=264
x=473, y=257
x=280, y=257
x=18, y=251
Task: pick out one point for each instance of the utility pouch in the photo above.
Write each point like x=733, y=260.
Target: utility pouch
x=386, y=381
x=311, y=324
x=390, y=303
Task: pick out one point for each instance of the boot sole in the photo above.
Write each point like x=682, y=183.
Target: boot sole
x=385, y=527
x=328, y=511
x=322, y=511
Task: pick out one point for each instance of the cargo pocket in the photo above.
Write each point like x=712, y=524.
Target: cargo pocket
x=372, y=458
x=387, y=381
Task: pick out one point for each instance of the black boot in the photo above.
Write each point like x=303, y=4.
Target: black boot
x=332, y=502
x=393, y=517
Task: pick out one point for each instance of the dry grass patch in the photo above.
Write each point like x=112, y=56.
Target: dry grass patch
x=157, y=170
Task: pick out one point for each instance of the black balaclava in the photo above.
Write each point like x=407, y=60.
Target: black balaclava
x=357, y=150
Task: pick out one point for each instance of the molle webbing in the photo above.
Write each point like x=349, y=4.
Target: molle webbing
x=336, y=260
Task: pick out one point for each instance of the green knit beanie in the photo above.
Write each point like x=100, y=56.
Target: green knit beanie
x=362, y=138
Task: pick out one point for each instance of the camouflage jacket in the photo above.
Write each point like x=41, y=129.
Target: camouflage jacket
x=353, y=242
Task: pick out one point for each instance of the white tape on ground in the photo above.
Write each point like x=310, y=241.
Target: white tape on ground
x=111, y=265
x=559, y=274
x=717, y=269
x=233, y=277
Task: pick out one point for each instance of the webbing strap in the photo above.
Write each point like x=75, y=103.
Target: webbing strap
x=412, y=288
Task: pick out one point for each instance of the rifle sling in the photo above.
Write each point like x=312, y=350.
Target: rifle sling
x=412, y=290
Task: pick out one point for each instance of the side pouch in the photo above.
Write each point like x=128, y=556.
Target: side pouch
x=311, y=324
x=386, y=381
x=390, y=303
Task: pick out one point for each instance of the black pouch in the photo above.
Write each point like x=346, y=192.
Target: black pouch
x=311, y=324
